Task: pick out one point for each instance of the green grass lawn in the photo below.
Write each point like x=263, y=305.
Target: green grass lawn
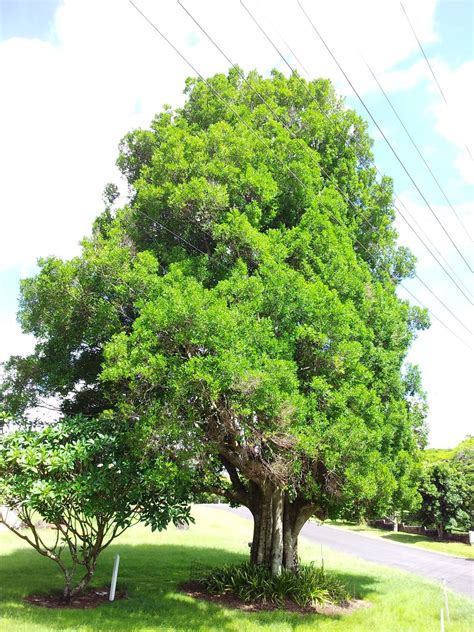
x=152, y=566
x=458, y=549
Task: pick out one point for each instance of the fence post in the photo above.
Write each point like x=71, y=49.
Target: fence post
x=446, y=604
x=114, y=578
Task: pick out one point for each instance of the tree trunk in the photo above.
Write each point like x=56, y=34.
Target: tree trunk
x=77, y=590
x=277, y=523
x=70, y=592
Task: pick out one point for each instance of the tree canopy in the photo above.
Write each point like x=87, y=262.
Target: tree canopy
x=244, y=303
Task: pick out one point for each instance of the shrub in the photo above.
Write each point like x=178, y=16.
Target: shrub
x=89, y=479
x=307, y=586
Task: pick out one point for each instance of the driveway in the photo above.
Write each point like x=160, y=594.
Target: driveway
x=458, y=572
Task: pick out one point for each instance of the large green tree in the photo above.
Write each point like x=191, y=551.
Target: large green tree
x=244, y=304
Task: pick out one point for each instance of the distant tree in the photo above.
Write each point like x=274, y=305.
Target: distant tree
x=89, y=480
x=446, y=498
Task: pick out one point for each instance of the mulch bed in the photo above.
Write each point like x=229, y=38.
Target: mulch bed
x=229, y=600
x=91, y=598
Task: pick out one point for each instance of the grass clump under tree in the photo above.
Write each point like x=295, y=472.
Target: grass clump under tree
x=306, y=586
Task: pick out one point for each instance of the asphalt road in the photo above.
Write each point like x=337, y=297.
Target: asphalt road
x=458, y=572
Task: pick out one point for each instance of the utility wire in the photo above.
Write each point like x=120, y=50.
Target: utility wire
x=434, y=316
x=429, y=66
x=265, y=34
x=417, y=148
x=423, y=52
x=430, y=251
x=305, y=147
x=383, y=134
x=168, y=230
x=293, y=54
x=227, y=106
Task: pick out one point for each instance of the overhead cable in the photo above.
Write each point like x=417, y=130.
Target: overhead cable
x=392, y=149
x=417, y=149
x=252, y=130
x=457, y=283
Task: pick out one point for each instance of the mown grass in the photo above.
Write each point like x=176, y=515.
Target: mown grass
x=153, y=565
x=457, y=549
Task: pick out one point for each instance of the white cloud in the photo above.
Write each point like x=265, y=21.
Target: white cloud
x=447, y=369
x=454, y=120
x=68, y=105
x=12, y=340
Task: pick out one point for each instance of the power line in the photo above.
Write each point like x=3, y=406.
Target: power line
x=265, y=34
x=293, y=54
x=429, y=249
x=168, y=230
x=431, y=69
x=383, y=134
x=434, y=316
x=227, y=106
x=417, y=148
x=423, y=52
x=283, y=122
x=443, y=304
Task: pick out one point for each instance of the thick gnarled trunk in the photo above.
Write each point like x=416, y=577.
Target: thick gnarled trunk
x=277, y=524
x=278, y=519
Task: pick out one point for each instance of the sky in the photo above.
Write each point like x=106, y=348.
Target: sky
x=78, y=74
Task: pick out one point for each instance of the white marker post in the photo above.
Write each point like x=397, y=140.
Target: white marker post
x=446, y=605
x=114, y=578
x=441, y=619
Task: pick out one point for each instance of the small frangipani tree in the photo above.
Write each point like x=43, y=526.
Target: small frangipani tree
x=90, y=479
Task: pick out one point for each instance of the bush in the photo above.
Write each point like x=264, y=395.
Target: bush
x=89, y=479
x=306, y=587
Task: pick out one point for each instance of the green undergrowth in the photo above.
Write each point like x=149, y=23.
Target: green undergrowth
x=154, y=565
x=309, y=586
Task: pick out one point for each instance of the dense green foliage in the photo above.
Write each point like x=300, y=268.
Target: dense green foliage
x=308, y=586
x=446, y=498
x=447, y=488
x=89, y=480
x=244, y=306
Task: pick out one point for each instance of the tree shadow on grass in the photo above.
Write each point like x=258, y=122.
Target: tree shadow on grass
x=151, y=575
